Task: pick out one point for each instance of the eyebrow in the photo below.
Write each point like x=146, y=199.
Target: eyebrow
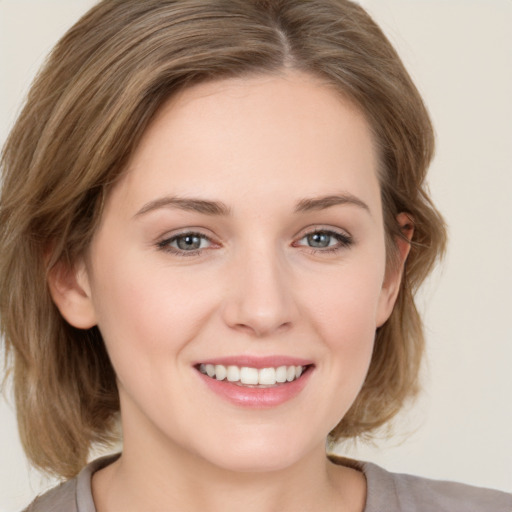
x=218, y=208
x=196, y=205
x=324, y=202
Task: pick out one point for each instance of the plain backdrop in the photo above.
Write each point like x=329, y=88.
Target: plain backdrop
x=460, y=54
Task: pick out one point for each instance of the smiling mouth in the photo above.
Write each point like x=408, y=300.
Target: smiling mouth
x=247, y=376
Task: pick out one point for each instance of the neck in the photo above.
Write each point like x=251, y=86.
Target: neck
x=140, y=481
x=156, y=472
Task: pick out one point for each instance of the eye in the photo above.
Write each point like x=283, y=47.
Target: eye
x=325, y=240
x=183, y=243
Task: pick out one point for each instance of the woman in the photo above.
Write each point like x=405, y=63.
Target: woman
x=214, y=221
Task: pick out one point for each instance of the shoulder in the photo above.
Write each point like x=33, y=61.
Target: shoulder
x=399, y=492
x=74, y=495
x=59, y=499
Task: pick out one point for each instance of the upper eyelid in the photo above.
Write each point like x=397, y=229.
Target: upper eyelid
x=185, y=231
x=322, y=229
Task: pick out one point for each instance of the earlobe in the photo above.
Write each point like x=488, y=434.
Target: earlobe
x=394, y=273
x=70, y=291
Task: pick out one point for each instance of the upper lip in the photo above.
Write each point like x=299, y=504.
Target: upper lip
x=257, y=361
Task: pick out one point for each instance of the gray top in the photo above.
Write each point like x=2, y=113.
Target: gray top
x=386, y=492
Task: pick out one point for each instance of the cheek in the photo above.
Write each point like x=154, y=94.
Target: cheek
x=344, y=302
x=145, y=311
x=348, y=328
x=345, y=316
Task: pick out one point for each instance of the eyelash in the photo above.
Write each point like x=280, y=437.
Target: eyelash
x=164, y=245
x=344, y=242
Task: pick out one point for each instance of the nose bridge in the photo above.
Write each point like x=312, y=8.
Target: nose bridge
x=260, y=299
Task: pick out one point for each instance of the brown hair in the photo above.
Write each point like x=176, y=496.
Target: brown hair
x=85, y=114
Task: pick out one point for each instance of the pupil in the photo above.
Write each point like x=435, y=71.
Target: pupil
x=188, y=242
x=319, y=240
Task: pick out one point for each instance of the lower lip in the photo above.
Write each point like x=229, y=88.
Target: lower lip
x=258, y=398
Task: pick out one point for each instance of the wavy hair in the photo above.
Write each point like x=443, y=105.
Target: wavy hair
x=83, y=117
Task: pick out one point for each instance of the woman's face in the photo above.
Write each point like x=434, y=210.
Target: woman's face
x=244, y=243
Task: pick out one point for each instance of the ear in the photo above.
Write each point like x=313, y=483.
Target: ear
x=71, y=293
x=394, y=272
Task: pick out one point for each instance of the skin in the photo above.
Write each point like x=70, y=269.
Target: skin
x=260, y=146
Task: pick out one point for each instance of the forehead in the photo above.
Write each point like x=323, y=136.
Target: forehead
x=280, y=137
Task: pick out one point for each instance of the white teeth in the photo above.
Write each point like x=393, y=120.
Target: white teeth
x=233, y=373
x=252, y=376
x=220, y=372
x=248, y=375
x=267, y=376
x=281, y=374
x=210, y=370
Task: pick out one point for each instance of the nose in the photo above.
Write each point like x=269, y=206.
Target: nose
x=260, y=300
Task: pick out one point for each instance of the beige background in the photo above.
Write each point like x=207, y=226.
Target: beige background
x=460, y=54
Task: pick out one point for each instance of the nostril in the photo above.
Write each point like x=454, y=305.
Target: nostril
x=260, y=329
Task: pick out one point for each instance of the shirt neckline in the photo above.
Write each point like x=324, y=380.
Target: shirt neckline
x=379, y=483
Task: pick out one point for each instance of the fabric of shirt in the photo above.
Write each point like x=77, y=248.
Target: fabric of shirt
x=386, y=492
